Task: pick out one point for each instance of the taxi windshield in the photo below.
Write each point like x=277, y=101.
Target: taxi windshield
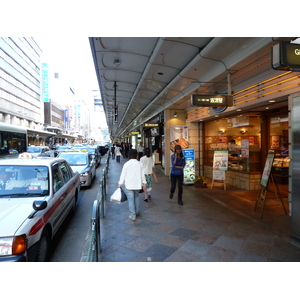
x=19, y=181
x=34, y=150
x=75, y=159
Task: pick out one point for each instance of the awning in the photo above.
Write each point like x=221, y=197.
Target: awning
x=42, y=133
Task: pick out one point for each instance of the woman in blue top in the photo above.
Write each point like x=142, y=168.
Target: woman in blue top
x=178, y=163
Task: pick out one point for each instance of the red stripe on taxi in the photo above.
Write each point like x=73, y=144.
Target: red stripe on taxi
x=44, y=219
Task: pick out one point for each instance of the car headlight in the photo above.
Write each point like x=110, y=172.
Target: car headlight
x=85, y=174
x=12, y=245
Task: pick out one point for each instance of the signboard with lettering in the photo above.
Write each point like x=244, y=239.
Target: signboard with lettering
x=286, y=56
x=45, y=78
x=211, y=100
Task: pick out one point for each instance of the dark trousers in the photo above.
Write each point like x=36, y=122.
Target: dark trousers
x=118, y=158
x=178, y=178
x=140, y=154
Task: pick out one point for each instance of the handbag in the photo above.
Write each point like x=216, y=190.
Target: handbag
x=141, y=191
x=123, y=195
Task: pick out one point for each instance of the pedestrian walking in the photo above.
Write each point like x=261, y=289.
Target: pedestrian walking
x=140, y=150
x=112, y=149
x=118, y=153
x=148, y=165
x=178, y=163
x=133, y=177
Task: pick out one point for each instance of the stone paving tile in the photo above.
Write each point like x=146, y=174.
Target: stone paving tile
x=258, y=249
x=173, y=241
x=139, y=244
x=183, y=256
x=195, y=247
x=121, y=254
x=249, y=257
x=154, y=236
x=121, y=238
x=159, y=251
x=205, y=238
x=193, y=225
x=235, y=233
x=261, y=239
x=165, y=228
x=184, y=233
x=221, y=254
x=229, y=243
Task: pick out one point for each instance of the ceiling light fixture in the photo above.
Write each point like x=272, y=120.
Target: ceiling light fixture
x=116, y=62
x=175, y=114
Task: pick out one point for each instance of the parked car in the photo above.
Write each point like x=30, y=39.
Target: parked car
x=54, y=146
x=39, y=151
x=63, y=149
x=95, y=154
x=83, y=163
x=102, y=150
x=38, y=194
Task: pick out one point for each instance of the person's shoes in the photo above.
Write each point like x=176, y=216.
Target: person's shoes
x=132, y=218
x=146, y=200
x=180, y=202
x=137, y=213
x=171, y=196
x=149, y=197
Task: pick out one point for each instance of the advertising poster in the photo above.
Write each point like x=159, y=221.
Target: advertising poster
x=179, y=136
x=245, y=148
x=189, y=169
x=220, y=160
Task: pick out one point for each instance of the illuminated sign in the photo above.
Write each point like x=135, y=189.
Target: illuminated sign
x=45, y=76
x=151, y=125
x=135, y=132
x=211, y=100
x=286, y=56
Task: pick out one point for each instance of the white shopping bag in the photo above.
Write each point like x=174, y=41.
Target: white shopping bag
x=116, y=196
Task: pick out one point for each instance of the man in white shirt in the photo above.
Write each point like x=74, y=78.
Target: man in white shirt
x=140, y=150
x=133, y=177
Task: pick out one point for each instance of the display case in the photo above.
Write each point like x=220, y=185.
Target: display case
x=280, y=170
x=240, y=135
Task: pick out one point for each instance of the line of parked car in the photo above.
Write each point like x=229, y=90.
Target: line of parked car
x=37, y=192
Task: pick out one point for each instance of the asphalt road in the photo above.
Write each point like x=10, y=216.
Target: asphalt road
x=69, y=242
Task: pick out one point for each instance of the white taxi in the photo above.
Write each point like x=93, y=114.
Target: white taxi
x=36, y=195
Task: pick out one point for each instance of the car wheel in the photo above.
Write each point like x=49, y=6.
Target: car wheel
x=43, y=247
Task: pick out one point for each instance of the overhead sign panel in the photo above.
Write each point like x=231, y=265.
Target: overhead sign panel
x=211, y=100
x=286, y=57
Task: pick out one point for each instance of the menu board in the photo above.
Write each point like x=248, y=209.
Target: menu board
x=189, y=169
x=267, y=169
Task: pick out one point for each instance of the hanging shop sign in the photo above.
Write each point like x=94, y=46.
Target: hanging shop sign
x=211, y=100
x=286, y=56
x=151, y=124
x=189, y=169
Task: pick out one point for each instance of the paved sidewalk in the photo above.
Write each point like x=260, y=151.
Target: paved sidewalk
x=213, y=226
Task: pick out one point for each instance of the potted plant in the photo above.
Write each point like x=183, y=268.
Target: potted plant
x=200, y=181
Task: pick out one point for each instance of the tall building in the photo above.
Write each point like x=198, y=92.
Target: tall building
x=20, y=83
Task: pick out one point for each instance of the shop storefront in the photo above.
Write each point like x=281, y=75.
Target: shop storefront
x=247, y=137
